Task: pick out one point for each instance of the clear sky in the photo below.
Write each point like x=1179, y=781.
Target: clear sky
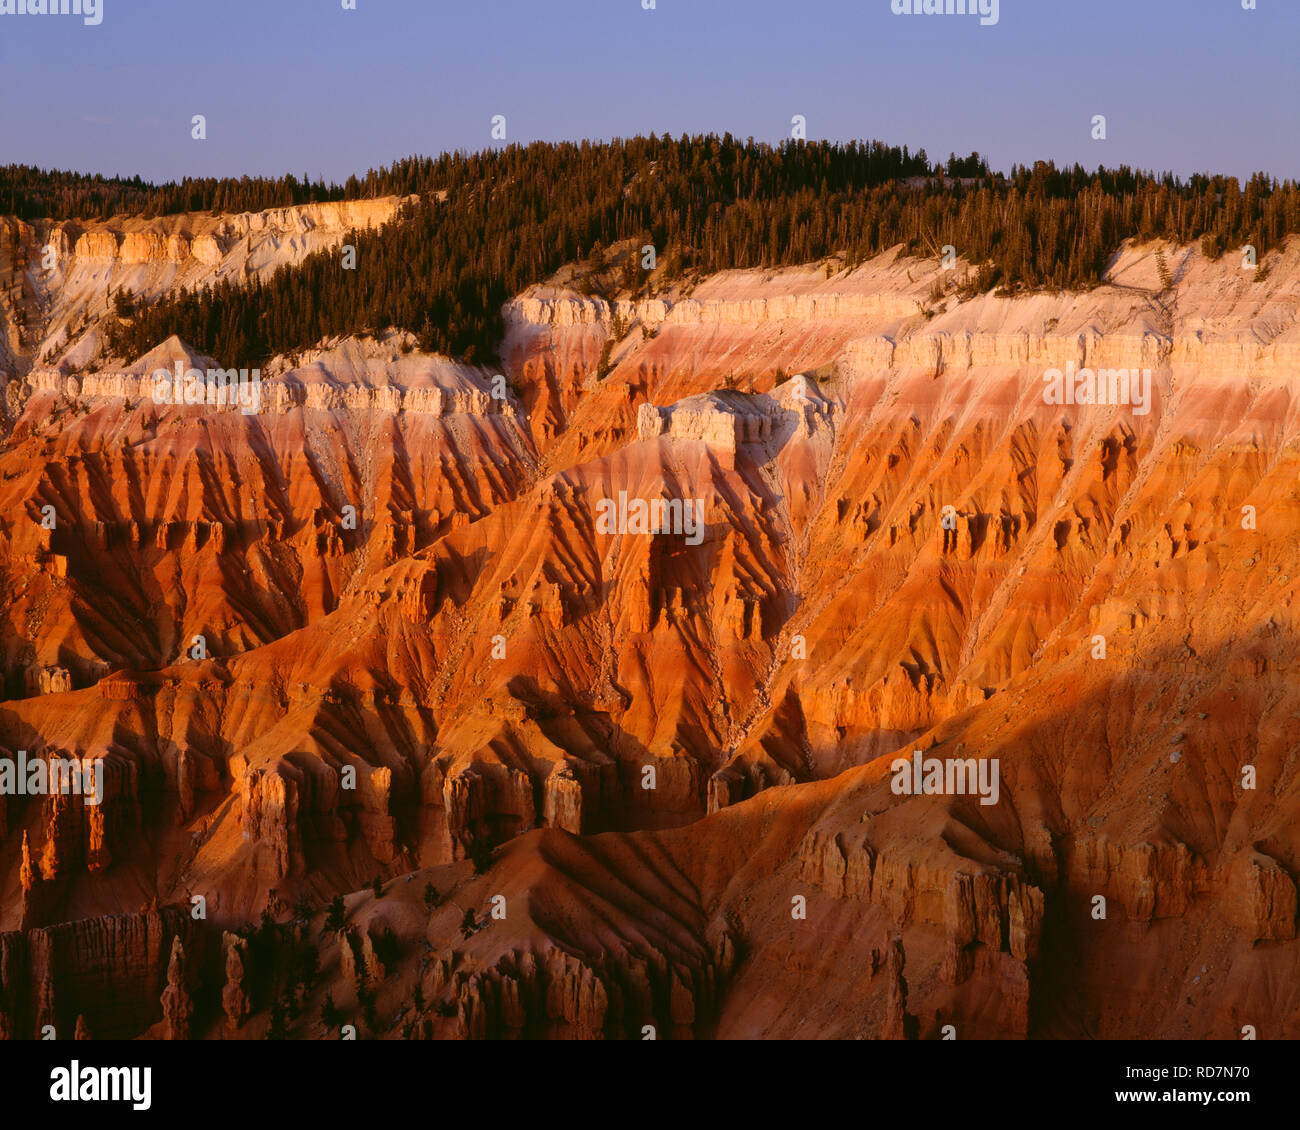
x=304, y=86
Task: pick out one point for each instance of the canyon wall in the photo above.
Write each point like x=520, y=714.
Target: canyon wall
x=378, y=630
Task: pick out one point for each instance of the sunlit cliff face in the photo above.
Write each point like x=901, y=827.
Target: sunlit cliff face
x=403, y=620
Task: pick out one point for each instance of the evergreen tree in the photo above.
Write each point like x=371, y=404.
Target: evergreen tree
x=487, y=225
x=331, y=1016
x=336, y=917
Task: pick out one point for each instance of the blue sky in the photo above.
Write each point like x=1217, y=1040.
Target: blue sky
x=304, y=86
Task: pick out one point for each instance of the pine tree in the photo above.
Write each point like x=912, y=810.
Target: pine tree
x=468, y=924
x=336, y=918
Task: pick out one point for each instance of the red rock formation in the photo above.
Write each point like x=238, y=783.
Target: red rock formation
x=176, y=1004
x=234, y=998
x=105, y=973
x=904, y=548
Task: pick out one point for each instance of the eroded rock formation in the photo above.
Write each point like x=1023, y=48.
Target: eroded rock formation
x=376, y=629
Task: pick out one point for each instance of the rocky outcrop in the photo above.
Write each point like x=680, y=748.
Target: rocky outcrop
x=48, y=680
x=269, y=801
x=1261, y=898
x=562, y=799
x=276, y=395
x=284, y=394
x=80, y=835
x=481, y=799
x=896, y=1025
x=234, y=995
x=150, y=257
x=1148, y=881
x=976, y=908
x=743, y=779
x=28, y=873
x=177, y=1007
x=166, y=238
x=359, y=963
x=106, y=973
x=571, y=310
x=720, y=419
x=378, y=824
x=555, y=995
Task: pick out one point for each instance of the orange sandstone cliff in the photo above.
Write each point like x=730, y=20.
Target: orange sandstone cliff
x=374, y=640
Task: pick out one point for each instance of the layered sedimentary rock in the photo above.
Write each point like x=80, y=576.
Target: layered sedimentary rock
x=182, y=572
x=74, y=268
x=670, y=751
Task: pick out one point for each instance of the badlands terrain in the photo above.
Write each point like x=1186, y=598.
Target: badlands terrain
x=370, y=641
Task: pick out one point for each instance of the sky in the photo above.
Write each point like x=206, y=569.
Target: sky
x=307, y=87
